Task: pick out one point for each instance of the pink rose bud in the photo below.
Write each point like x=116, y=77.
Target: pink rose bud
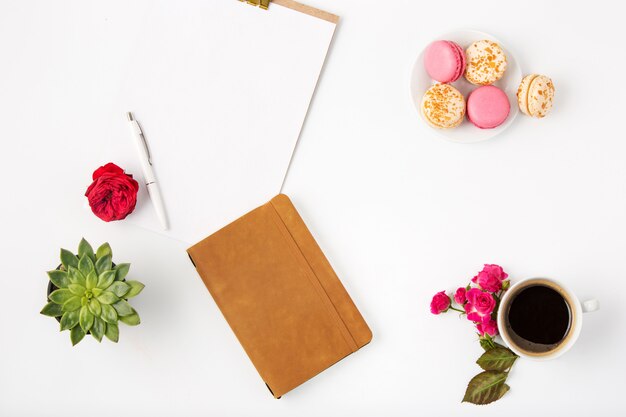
x=490, y=278
x=440, y=303
x=459, y=296
x=489, y=327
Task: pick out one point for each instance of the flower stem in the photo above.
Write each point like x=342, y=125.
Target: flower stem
x=456, y=309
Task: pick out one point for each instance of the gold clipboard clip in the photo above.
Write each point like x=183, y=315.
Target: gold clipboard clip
x=263, y=4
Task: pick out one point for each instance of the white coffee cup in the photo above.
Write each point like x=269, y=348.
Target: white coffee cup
x=524, y=348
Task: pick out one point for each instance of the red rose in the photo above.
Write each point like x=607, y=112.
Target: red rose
x=440, y=303
x=113, y=194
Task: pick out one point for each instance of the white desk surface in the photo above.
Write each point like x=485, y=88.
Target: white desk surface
x=400, y=213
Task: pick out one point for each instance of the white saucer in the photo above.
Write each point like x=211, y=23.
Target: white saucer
x=466, y=132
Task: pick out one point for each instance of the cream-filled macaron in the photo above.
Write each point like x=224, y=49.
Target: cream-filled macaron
x=486, y=62
x=443, y=106
x=535, y=95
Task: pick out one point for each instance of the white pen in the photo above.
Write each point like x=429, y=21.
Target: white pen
x=148, y=172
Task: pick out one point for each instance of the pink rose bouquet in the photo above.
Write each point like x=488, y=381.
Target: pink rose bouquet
x=479, y=302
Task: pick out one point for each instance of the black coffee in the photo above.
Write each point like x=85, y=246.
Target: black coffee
x=539, y=314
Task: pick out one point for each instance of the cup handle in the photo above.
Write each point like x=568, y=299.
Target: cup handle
x=590, y=305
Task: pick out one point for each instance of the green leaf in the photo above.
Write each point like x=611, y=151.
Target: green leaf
x=122, y=271
x=104, y=264
x=104, y=250
x=112, y=332
x=105, y=279
x=123, y=308
x=76, y=277
x=84, y=301
x=119, y=288
x=486, y=387
x=60, y=296
x=94, y=307
x=86, y=318
x=131, y=319
x=91, y=280
x=107, y=297
x=98, y=329
x=85, y=249
x=72, y=304
x=76, y=335
x=85, y=265
x=51, y=309
x=76, y=289
x=135, y=288
x=68, y=259
x=69, y=320
x=108, y=314
x=497, y=359
x=59, y=278
x=96, y=291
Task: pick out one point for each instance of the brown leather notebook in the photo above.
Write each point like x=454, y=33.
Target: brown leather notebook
x=280, y=295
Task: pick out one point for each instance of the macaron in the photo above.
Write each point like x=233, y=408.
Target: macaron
x=535, y=95
x=443, y=106
x=444, y=61
x=486, y=62
x=488, y=107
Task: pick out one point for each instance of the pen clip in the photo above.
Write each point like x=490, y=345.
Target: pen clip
x=145, y=144
x=132, y=119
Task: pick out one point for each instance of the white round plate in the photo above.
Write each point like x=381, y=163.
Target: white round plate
x=466, y=132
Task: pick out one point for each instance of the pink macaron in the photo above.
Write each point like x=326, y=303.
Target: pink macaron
x=444, y=61
x=488, y=107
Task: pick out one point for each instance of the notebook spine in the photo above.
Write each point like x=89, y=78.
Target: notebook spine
x=263, y=4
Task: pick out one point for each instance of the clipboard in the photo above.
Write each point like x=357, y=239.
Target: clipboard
x=221, y=90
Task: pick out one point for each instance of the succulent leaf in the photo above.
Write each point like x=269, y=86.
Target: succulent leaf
x=92, y=294
x=69, y=320
x=108, y=314
x=104, y=264
x=76, y=335
x=59, y=278
x=76, y=289
x=60, y=296
x=123, y=308
x=85, y=319
x=107, y=297
x=105, y=279
x=122, y=271
x=52, y=309
x=76, y=277
x=112, y=332
x=98, y=329
x=119, y=288
x=135, y=288
x=72, y=304
x=68, y=259
x=91, y=280
x=94, y=307
x=85, y=249
x=131, y=319
x=85, y=265
x=104, y=250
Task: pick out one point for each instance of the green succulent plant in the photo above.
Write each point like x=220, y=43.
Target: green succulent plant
x=92, y=294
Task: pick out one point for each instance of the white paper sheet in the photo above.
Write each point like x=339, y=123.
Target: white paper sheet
x=221, y=90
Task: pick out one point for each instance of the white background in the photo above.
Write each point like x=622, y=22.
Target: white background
x=400, y=213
